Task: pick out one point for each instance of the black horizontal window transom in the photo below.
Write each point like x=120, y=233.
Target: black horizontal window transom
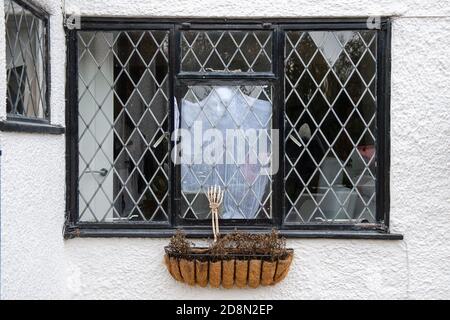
x=141, y=92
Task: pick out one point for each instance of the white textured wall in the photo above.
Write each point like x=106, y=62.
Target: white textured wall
x=33, y=190
x=37, y=263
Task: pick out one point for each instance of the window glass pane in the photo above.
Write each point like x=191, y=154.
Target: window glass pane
x=330, y=124
x=226, y=51
x=123, y=126
x=25, y=63
x=226, y=141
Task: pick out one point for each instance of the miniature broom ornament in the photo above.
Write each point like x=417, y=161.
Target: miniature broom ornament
x=215, y=198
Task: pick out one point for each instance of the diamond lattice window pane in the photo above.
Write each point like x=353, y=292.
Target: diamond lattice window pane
x=123, y=126
x=226, y=51
x=25, y=63
x=227, y=142
x=330, y=125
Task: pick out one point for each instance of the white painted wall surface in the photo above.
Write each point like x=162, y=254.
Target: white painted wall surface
x=37, y=263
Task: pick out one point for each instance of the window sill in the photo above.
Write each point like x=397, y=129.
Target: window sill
x=166, y=233
x=30, y=127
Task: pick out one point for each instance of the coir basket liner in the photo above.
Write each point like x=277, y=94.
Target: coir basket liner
x=199, y=267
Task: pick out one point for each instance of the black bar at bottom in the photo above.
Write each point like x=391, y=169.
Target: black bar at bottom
x=166, y=233
x=30, y=127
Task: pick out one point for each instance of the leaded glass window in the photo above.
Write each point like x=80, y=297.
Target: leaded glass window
x=26, y=61
x=156, y=108
x=330, y=101
x=122, y=113
x=226, y=51
x=242, y=111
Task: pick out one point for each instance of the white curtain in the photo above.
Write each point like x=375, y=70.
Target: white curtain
x=225, y=108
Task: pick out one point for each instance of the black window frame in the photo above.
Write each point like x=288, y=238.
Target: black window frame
x=379, y=230
x=34, y=124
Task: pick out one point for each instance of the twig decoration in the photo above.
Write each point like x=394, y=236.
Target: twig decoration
x=215, y=198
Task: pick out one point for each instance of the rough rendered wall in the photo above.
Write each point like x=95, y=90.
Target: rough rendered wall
x=33, y=191
x=37, y=263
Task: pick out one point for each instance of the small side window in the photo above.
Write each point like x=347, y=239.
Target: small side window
x=26, y=61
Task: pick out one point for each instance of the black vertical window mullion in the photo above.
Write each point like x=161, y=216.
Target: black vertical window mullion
x=380, y=136
x=176, y=180
x=47, y=69
x=278, y=117
x=387, y=123
x=171, y=124
x=281, y=82
x=72, y=127
x=383, y=125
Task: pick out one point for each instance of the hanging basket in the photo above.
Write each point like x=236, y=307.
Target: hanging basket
x=236, y=259
x=200, y=267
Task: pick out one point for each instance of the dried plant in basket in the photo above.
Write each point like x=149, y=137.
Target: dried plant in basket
x=238, y=259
